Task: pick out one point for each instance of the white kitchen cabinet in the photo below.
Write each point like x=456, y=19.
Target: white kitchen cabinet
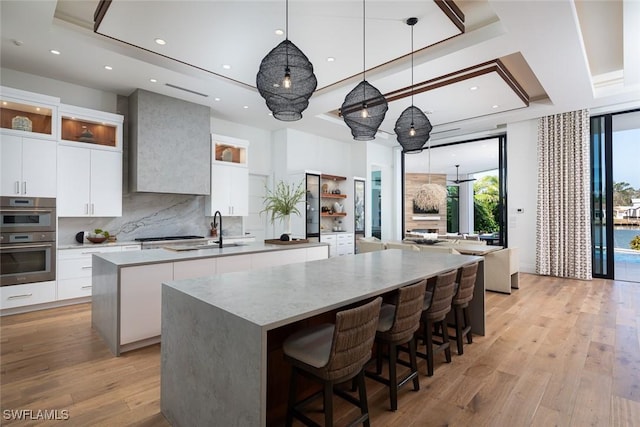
x=272, y=259
x=27, y=294
x=90, y=128
x=345, y=244
x=229, y=190
x=314, y=254
x=74, y=269
x=193, y=268
x=332, y=241
x=28, y=166
x=229, y=264
x=141, y=299
x=89, y=182
x=229, y=177
x=339, y=243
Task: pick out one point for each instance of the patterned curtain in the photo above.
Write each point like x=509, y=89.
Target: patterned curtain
x=563, y=245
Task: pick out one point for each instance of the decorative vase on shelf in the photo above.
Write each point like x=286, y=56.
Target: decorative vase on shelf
x=337, y=207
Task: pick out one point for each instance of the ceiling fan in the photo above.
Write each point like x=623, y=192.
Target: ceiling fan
x=458, y=180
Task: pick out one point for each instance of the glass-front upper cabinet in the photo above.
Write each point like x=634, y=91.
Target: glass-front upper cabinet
x=91, y=128
x=229, y=150
x=28, y=114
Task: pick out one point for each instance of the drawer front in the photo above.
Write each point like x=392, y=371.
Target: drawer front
x=74, y=288
x=27, y=294
x=86, y=252
x=345, y=237
x=130, y=248
x=330, y=238
x=73, y=268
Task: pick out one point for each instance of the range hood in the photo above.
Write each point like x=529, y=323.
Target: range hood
x=169, y=145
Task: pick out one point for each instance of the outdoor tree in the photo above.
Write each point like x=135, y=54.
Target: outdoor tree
x=623, y=192
x=486, y=200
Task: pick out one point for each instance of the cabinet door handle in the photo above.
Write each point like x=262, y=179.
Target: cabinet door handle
x=86, y=287
x=20, y=296
x=91, y=252
x=17, y=187
x=86, y=267
x=24, y=187
x=86, y=208
x=92, y=208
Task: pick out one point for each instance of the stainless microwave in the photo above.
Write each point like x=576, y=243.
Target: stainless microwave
x=27, y=214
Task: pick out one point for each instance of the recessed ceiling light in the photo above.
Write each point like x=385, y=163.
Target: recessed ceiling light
x=495, y=106
x=245, y=107
x=160, y=41
x=331, y=59
x=226, y=66
x=473, y=88
x=216, y=99
x=279, y=32
x=153, y=80
x=108, y=67
x=55, y=52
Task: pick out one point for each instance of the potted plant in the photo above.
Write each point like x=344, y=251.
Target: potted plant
x=281, y=202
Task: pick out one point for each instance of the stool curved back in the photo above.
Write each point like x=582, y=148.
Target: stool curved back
x=406, y=321
x=441, y=296
x=355, y=330
x=466, y=283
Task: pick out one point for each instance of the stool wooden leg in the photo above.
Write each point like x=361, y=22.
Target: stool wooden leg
x=364, y=406
x=292, y=396
x=445, y=340
x=393, y=377
x=428, y=340
x=467, y=324
x=414, y=363
x=459, y=328
x=328, y=404
x=379, y=358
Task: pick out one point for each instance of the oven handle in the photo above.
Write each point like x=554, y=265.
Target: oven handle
x=11, y=210
x=21, y=246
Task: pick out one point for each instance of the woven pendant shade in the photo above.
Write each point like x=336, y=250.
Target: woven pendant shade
x=430, y=196
x=286, y=104
x=413, y=117
x=364, y=96
x=412, y=127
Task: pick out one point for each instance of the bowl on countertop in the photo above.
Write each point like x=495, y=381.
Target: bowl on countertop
x=97, y=239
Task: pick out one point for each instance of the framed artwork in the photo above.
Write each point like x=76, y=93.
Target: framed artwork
x=358, y=205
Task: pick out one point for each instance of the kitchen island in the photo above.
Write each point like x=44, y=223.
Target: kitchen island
x=220, y=335
x=126, y=293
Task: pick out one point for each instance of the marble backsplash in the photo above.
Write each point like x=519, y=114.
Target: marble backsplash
x=151, y=215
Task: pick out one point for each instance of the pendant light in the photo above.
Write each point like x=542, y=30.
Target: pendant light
x=430, y=196
x=364, y=107
x=285, y=79
x=412, y=127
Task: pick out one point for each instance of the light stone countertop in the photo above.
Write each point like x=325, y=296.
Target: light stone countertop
x=154, y=256
x=277, y=296
x=96, y=245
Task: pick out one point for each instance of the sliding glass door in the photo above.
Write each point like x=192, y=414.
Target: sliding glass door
x=615, y=195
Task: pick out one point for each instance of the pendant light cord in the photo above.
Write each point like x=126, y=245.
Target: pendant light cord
x=412, y=76
x=364, y=50
x=286, y=31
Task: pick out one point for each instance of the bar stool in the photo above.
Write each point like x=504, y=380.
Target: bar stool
x=437, y=304
x=463, y=294
x=397, y=326
x=333, y=354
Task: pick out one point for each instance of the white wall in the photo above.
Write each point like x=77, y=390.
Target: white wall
x=68, y=93
x=522, y=177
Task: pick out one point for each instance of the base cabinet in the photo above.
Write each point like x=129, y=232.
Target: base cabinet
x=27, y=294
x=140, y=301
x=74, y=269
x=340, y=244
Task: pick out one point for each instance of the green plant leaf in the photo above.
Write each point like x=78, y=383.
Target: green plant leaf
x=282, y=201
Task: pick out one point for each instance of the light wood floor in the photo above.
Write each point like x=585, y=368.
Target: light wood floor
x=558, y=352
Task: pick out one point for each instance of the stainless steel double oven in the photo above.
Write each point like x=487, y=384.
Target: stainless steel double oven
x=27, y=240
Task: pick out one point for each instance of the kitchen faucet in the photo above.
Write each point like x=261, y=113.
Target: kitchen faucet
x=215, y=224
